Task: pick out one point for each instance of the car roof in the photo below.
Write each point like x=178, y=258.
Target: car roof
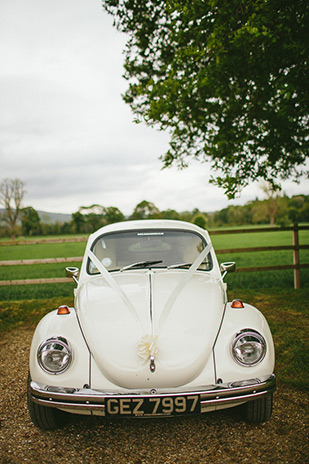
x=149, y=224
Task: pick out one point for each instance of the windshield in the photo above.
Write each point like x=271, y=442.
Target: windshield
x=149, y=248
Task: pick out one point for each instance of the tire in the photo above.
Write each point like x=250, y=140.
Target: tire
x=44, y=417
x=259, y=410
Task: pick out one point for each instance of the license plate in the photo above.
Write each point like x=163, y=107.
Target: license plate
x=152, y=406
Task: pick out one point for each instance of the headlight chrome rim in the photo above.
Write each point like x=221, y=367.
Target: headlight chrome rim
x=254, y=341
x=54, y=355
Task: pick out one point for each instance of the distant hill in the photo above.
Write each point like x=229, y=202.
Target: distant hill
x=50, y=218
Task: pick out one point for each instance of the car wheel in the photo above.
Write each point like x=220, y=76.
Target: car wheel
x=259, y=410
x=44, y=417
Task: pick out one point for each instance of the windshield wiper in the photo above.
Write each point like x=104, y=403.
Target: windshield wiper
x=140, y=264
x=174, y=266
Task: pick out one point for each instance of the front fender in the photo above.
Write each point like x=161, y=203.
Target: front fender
x=67, y=326
x=236, y=319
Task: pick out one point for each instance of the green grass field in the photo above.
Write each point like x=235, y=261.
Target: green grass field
x=41, y=250
x=37, y=251
x=286, y=311
x=248, y=280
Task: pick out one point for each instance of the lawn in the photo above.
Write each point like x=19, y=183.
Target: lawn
x=248, y=280
x=41, y=250
x=262, y=279
x=286, y=311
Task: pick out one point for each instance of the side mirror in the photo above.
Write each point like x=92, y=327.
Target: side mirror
x=72, y=272
x=227, y=267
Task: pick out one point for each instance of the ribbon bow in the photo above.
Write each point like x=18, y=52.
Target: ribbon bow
x=147, y=346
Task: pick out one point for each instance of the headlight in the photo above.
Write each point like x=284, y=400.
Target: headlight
x=249, y=347
x=54, y=355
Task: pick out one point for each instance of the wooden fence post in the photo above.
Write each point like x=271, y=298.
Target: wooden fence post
x=296, y=260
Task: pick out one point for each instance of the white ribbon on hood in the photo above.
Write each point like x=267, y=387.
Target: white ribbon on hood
x=147, y=346
x=112, y=283
x=181, y=284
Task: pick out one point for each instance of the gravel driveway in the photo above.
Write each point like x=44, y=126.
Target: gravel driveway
x=219, y=437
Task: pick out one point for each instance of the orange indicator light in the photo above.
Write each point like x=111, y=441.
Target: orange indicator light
x=63, y=309
x=237, y=304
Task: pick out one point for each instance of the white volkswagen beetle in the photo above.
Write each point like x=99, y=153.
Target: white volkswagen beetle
x=151, y=333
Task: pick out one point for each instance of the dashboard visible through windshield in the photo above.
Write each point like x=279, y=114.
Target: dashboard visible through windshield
x=149, y=248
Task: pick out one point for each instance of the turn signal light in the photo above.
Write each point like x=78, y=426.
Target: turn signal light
x=63, y=309
x=237, y=304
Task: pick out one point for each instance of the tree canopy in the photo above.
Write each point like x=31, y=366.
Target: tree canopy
x=30, y=221
x=227, y=79
x=145, y=210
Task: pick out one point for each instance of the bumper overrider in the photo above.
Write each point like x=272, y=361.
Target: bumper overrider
x=153, y=403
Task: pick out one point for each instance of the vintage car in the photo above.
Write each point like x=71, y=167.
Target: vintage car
x=151, y=333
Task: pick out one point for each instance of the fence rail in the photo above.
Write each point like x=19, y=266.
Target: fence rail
x=21, y=262
x=296, y=266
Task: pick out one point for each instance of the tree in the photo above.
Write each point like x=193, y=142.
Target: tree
x=112, y=215
x=170, y=214
x=298, y=208
x=228, y=79
x=272, y=203
x=89, y=218
x=93, y=217
x=30, y=221
x=78, y=221
x=200, y=220
x=11, y=196
x=146, y=210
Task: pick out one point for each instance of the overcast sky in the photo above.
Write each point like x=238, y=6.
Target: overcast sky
x=64, y=129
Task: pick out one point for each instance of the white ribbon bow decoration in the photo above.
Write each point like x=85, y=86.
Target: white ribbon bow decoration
x=147, y=347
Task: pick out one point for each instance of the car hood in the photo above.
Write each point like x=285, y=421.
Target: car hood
x=151, y=318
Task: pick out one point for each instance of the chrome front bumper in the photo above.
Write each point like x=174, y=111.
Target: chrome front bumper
x=212, y=397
